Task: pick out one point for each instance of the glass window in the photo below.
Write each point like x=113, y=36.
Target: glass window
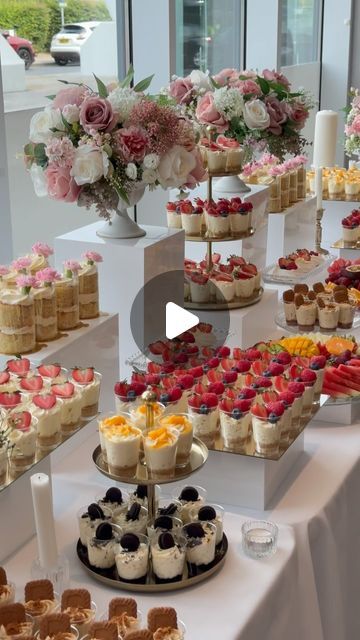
x=207, y=35
x=300, y=31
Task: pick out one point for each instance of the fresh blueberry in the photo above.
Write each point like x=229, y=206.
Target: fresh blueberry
x=298, y=379
x=267, y=374
x=273, y=418
x=164, y=397
x=204, y=409
x=236, y=414
x=314, y=366
x=131, y=394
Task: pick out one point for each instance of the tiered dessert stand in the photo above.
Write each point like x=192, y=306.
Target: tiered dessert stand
x=198, y=457
x=237, y=303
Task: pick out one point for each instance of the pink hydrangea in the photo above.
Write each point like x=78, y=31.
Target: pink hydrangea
x=72, y=265
x=26, y=282
x=92, y=256
x=247, y=87
x=70, y=95
x=42, y=249
x=60, y=152
x=354, y=127
x=21, y=264
x=47, y=276
x=4, y=270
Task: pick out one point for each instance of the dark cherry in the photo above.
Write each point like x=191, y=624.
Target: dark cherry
x=195, y=530
x=166, y=541
x=189, y=494
x=104, y=531
x=134, y=512
x=169, y=510
x=207, y=513
x=141, y=491
x=130, y=542
x=95, y=512
x=163, y=522
x=113, y=495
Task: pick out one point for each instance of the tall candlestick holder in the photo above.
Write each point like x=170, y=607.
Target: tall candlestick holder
x=318, y=236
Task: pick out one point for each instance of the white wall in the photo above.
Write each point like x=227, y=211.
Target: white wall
x=12, y=67
x=308, y=77
x=262, y=28
x=98, y=53
x=6, y=228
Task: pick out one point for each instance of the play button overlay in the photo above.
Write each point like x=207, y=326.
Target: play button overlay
x=158, y=317
x=178, y=320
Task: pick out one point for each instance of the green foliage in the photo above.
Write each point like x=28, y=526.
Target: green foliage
x=39, y=20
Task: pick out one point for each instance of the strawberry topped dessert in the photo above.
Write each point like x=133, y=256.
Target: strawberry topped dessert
x=53, y=373
x=173, y=215
x=266, y=425
x=351, y=227
x=191, y=218
x=18, y=367
x=88, y=382
x=46, y=407
x=71, y=406
x=204, y=412
x=235, y=422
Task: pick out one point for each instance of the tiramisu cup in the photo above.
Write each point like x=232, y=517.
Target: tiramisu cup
x=14, y=623
x=328, y=314
x=7, y=589
x=125, y=614
x=40, y=600
x=306, y=312
x=289, y=307
x=78, y=605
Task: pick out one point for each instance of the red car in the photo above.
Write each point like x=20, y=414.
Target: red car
x=22, y=47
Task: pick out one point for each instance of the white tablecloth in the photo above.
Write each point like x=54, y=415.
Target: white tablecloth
x=308, y=590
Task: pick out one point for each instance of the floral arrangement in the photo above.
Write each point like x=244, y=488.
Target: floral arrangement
x=269, y=164
x=259, y=111
x=352, y=126
x=94, y=147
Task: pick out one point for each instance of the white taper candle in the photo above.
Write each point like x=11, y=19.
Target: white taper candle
x=44, y=520
x=318, y=187
x=325, y=138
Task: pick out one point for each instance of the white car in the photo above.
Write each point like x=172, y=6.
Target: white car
x=65, y=45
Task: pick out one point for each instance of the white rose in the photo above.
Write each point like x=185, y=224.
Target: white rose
x=71, y=113
x=175, y=167
x=151, y=161
x=42, y=122
x=149, y=176
x=256, y=115
x=131, y=171
x=90, y=164
x=39, y=180
x=200, y=79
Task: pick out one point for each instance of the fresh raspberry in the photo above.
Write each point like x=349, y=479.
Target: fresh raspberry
x=283, y=358
x=307, y=375
x=317, y=362
x=275, y=369
x=230, y=377
x=275, y=408
x=152, y=379
x=216, y=387
x=297, y=388
x=196, y=372
x=247, y=394
x=262, y=382
x=223, y=352
x=186, y=381
x=175, y=394
x=209, y=399
x=253, y=354
x=243, y=366
x=243, y=405
x=287, y=397
x=213, y=363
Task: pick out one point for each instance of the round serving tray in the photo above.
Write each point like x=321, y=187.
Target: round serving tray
x=191, y=575
x=280, y=321
x=198, y=457
x=241, y=236
x=343, y=244
x=238, y=303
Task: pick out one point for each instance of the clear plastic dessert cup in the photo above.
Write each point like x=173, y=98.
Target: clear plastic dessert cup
x=189, y=502
x=168, y=563
x=164, y=523
x=259, y=538
x=180, y=631
x=103, y=426
x=7, y=593
x=125, y=623
x=82, y=619
x=266, y=436
x=88, y=525
x=183, y=423
x=132, y=565
x=137, y=525
x=160, y=451
x=218, y=521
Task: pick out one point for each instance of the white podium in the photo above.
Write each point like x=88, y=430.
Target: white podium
x=288, y=228
x=128, y=265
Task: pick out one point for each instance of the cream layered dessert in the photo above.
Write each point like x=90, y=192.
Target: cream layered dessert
x=110, y=422
x=191, y=499
x=298, y=389
x=124, y=613
x=213, y=514
x=163, y=624
x=160, y=448
x=328, y=314
x=101, y=547
x=13, y=622
x=317, y=364
x=235, y=422
x=122, y=446
x=203, y=410
x=168, y=554
x=240, y=217
x=134, y=520
x=128, y=395
x=46, y=408
x=87, y=381
x=289, y=307
x=224, y=287
x=306, y=313
x=138, y=414
x=77, y=604
x=17, y=322
x=183, y=425
x=132, y=557
x=40, y=599
x=7, y=589
x=89, y=285
x=244, y=283
x=114, y=498
x=71, y=406
x=89, y=519
x=199, y=287
x=200, y=543
x=23, y=441
x=173, y=216
x=218, y=223
x=266, y=421
x=191, y=218
x=351, y=227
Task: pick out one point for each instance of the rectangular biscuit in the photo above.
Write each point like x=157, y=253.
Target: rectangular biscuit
x=141, y=634
x=3, y=576
x=79, y=598
x=12, y=613
x=39, y=590
x=161, y=617
x=54, y=623
x=117, y=606
x=104, y=631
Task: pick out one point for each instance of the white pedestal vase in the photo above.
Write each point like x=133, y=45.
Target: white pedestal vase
x=121, y=226
x=231, y=184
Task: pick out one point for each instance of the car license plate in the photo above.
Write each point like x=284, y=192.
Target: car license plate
x=64, y=40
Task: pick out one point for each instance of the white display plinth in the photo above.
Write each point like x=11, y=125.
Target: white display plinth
x=250, y=482
x=289, y=229
x=16, y=509
x=128, y=265
x=334, y=212
x=344, y=414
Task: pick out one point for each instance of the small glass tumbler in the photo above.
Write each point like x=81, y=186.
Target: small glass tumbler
x=259, y=538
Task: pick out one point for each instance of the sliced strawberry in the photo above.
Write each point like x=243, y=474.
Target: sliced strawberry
x=224, y=277
x=223, y=352
x=287, y=398
x=186, y=381
x=258, y=367
x=208, y=352
x=248, y=379
x=239, y=354
x=259, y=410
x=199, y=388
x=9, y=400
x=152, y=379
x=166, y=367
x=227, y=364
x=4, y=377
x=216, y=387
x=20, y=420
x=280, y=384
x=210, y=399
x=44, y=401
x=49, y=370
x=226, y=268
x=153, y=367
x=261, y=382
x=18, y=366
x=167, y=382
x=64, y=390
x=83, y=376
x=214, y=376
x=226, y=404
x=249, y=268
x=301, y=361
x=247, y=393
x=216, y=257
x=242, y=405
x=295, y=372
x=196, y=372
x=253, y=354
x=275, y=369
x=33, y=383
x=187, y=337
x=269, y=396
x=237, y=261
x=157, y=348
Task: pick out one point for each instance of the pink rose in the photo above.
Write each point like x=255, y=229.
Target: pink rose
x=248, y=73
x=207, y=113
x=71, y=95
x=131, y=143
x=274, y=76
x=198, y=173
x=226, y=76
x=356, y=102
x=60, y=184
x=247, y=87
x=97, y=114
x=354, y=127
x=181, y=90
x=277, y=113
x=297, y=113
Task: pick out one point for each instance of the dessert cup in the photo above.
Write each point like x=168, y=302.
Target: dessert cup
x=170, y=507
x=23, y=448
x=290, y=313
x=285, y=190
x=114, y=498
x=234, y=158
x=346, y=315
x=89, y=521
x=191, y=498
x=138, y=414
x=164, y=523
x=218, y=226
x=306, y=316
x=132, y=558
x=168, y=554
x=200, y=547
x=160, y=448
x=266, y=436
x=107, y=422
x=285, y=427
x=224, y=290
x=199, y=292
x=205, y=424
x=296, y=415
x=122, y=446
x=123, y=404
x=81, y=618
x=88, y=292
x=37, y=609
x=240, y=223
x=173, y=219
x=182, y=422
x=60, y=376
x=67, y=301
x=125, y=621
x=134, y=520
x=216, y=161
x=204, y=515
x=46, y=326
x=168, y=633
x=17, y=322
x=101, y=550
x=7, y=593
x=192, y=223
x=328, y=316
x=244, y=287
x=308, y=399
x=90, y=392
x=48, y=420
x=235, y=429
x=350, y=234
x=71, y=413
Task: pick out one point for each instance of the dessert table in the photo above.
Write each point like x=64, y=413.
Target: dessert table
x=309, y=589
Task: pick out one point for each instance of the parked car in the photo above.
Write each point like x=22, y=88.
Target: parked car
x=66, y=45
x=23, y=48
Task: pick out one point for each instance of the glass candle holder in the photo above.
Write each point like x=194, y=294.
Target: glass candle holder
x=259, y=538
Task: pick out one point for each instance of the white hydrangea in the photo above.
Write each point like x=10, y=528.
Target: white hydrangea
x=151, y=161
x=131, y=171
x=149, y=176
x=229, y=102
x=122, y=100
